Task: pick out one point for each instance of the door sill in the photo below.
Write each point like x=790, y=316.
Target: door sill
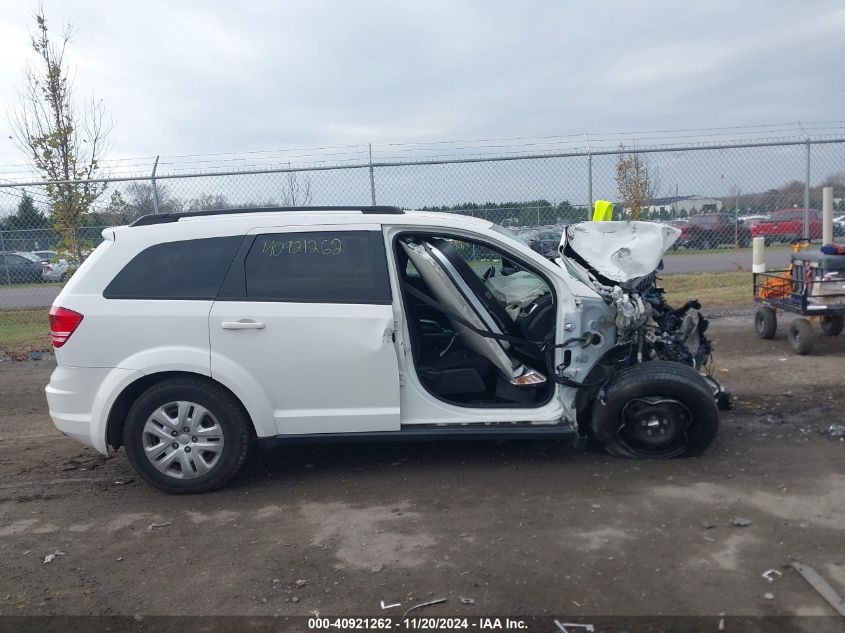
x=430, y=432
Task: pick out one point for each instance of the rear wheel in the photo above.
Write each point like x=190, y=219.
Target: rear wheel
x=656, y=410
x=801, y=336
x=833, y=325
x=765, y=322
x=186, y=435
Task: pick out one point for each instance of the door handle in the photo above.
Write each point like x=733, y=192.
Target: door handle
x=242, y=325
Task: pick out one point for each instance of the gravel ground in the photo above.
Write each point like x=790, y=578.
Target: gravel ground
x=519, y=528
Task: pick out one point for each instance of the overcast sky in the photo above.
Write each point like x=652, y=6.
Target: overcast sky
x=227, y=76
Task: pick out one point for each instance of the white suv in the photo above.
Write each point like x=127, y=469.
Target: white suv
x=185, y=337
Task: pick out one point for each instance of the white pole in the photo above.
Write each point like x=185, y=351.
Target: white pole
x=758, y=255
x=827, y=215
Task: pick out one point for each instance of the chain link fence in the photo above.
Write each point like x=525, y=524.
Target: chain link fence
x=718, y=194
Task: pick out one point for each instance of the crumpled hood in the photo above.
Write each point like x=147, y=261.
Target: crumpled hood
x=620, y=251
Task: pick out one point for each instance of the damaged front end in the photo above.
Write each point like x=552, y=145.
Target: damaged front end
x=620, y=261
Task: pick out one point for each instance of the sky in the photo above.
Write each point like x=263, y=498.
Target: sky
x=206, y=77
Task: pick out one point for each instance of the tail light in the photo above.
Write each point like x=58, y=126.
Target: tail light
x=63, y=323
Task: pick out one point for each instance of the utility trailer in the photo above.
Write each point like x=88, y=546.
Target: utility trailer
x=813, y=286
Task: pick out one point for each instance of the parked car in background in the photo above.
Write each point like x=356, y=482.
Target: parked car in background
x=19, y=268
x=45, y=256
x=839, y=225
x=710, y=230
x=787, y=225
x=57, y=271
x=543, y=240
x=753, y=220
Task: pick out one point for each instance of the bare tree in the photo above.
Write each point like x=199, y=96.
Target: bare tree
x=61, y=143
x=296, y=190
x=636, y=183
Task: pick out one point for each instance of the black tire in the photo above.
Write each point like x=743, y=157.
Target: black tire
x=673, y=388
x=801, y=336
x=765, y=322
x=229, y=413
x=833, y=325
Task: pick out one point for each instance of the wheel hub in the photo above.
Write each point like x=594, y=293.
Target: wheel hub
x=655, y=426
x=183, y=440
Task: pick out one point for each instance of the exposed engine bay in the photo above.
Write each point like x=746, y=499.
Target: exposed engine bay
x=620, y=261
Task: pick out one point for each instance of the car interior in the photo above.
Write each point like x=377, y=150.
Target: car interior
x=472, y=314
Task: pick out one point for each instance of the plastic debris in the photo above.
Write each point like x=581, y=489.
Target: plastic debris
x=467, y=600
x=740, y=522
x=390, y=606
x=772, y=574
x=123, y=482
x=36, y=355
x=49, y=558
x=153, y=526
x=769, y=596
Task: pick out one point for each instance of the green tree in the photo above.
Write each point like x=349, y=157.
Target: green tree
x=60, y=142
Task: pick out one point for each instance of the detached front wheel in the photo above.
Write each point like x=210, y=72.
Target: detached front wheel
x=656, y=410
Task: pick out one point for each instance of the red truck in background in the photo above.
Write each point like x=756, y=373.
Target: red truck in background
x=787, y=225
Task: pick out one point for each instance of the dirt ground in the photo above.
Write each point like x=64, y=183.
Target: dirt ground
x=517, y=527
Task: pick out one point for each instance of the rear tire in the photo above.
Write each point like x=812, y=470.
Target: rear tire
x=833, y=325
x=801, y=336
x=656, y=410
x=765, y=322
x=149, y=420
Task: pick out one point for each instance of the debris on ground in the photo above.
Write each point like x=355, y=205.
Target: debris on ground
x=769, y=596
x=300, y=583
x=467, y=600
x=740, y=522
x=123, y=482
x=595, y=506
x=390, y=606
x=49, y=558
x=821, y=586
x=772, y=574
x=836, y=430
x=423, y=604
x=153, y=526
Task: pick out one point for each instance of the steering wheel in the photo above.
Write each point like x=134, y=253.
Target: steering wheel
x=490, y=272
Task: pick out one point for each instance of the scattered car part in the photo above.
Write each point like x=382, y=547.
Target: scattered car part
x=423, y=604
x=821, y=586
x=772, y=574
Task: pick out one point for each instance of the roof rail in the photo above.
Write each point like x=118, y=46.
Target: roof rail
x=164, y=218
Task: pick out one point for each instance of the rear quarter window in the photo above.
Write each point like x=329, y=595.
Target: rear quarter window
x=186, y=269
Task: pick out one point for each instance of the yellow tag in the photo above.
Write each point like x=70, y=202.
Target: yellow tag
x=603, y=211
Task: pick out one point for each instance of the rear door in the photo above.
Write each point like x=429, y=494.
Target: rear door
x=305, y=314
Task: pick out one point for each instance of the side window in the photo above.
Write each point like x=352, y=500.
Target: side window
x=188, y=269
x=318, y=267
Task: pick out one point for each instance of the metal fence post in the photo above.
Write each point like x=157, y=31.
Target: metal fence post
x=5, y=261
x=589, y=176
x=372, y=177
x=807, y=195
x=155, y=188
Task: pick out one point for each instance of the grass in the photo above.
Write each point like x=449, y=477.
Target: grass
x=712, y=289
x=23, y=331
